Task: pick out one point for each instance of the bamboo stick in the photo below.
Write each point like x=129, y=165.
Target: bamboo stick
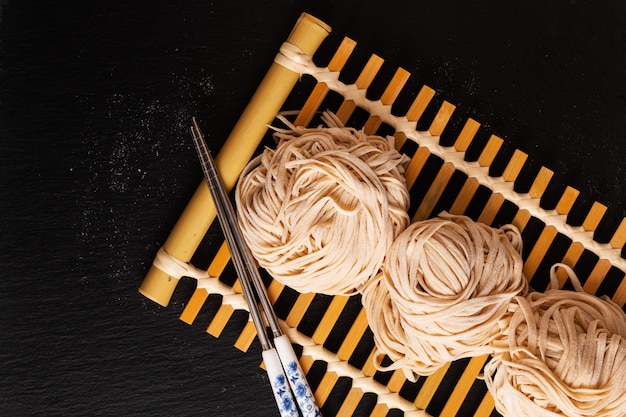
x=185, y=237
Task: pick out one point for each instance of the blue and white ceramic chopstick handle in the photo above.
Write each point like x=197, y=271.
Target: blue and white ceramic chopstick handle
x=296, y=377
x=278, y=381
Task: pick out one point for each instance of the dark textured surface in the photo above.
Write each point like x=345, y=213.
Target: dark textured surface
x=96, y=165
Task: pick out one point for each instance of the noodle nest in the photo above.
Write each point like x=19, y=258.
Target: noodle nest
x=320, y=211
x=444, y=285
x=562, y=353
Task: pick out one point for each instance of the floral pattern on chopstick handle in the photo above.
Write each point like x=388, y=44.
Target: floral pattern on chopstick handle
x=297, y=379
x=282, y=393
x=284, y=399
x=302, y=390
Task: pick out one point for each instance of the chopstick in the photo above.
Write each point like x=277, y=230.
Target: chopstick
x=280, y=360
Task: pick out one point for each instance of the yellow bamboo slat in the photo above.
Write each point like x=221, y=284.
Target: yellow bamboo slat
x=380, y=410
x=538, y=251
x=274, y=290
x=299, y=308
x=416, y=111
x=540, y=183
x=399, y=140
x=593, y=218
x=567, y=200
x=345, y=111
x=306, y=363
x=368, y=368
x=220, y=320
x=329, y=319
x=571, y=257
x=465, y=138
x=596, y=276
x=420, y=103
x=521, y=219
x=219, y=261
x=434, y=193
x=353, y=336
x=490, y=151
x=321, y=89
x=515, y=165
x=312, y=104
x=246, y=337
x=536, y=191
x=619, y=237
x=510, y=174
x=547, y=236
x=325, y=387
x=463, y=385
x=486, y=406
x=230, y=303
x=491, y=209
x=467, y=192
x=442, y=118
x=464, y=197
x=395, y=86
x=620, y=294
x=200, y=295
x=195, y=303
x=576, y=249
x=341, y=55
x=396, y=381
x=430, y=387
x=389, y=96
x=415, y=165
x=237, y=287
x=351, y=402
x=363, y=82
x=369, y=72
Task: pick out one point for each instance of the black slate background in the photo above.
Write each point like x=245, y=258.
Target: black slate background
x=96, y=164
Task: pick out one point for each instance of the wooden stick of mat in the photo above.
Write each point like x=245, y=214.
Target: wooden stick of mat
x=184, y=239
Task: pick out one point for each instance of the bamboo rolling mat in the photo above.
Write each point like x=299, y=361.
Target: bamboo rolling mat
x=475, y=175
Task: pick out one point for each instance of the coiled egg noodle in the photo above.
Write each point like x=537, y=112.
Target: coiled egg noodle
x=444, y=285
x=320, y=210
x=562, y=353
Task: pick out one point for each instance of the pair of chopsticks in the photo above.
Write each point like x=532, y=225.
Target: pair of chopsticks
x=279, y=357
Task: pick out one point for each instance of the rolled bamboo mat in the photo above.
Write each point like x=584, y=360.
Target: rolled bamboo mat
x=476, y=175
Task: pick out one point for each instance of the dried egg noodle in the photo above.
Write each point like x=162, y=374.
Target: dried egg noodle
x=320, y=211
x=445, y=284
x=326, y=212
x=562, y=353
